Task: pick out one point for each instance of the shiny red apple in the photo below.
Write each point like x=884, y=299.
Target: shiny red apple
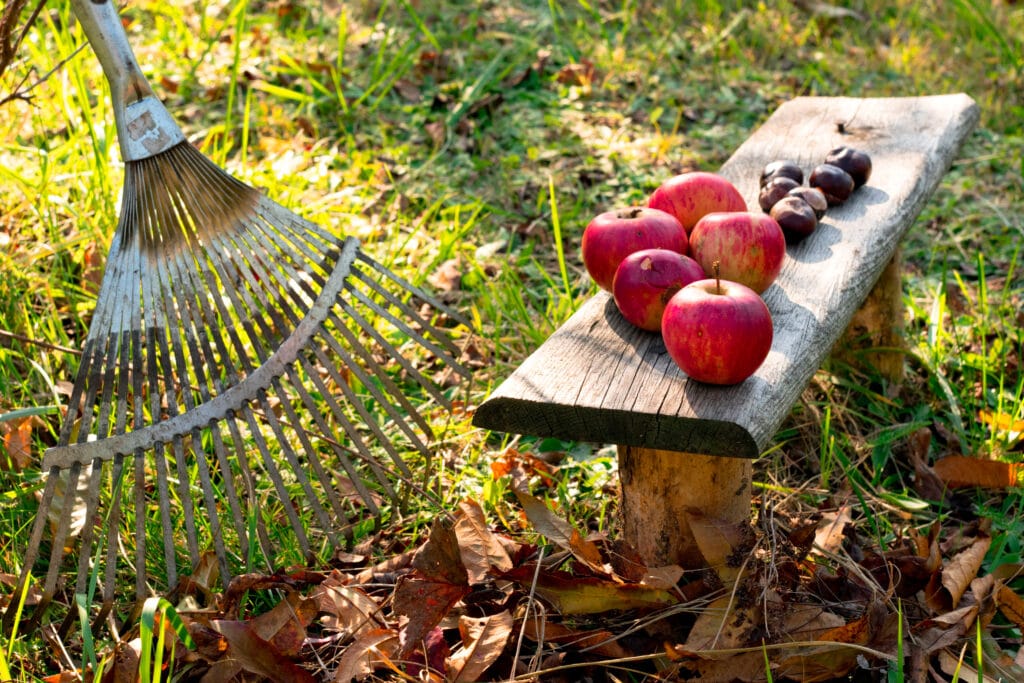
x=614, y=235
x=717, y=331
x=690, y=196
x=647, y=279
x=749, y=246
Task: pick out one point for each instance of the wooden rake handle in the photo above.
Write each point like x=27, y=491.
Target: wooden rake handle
x=144, y=126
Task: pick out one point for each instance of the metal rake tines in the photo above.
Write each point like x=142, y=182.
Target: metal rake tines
x=240, y=378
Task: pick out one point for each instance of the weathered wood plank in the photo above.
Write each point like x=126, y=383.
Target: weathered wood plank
x=599, y=379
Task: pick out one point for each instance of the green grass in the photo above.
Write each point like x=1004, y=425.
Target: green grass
x=487, y=135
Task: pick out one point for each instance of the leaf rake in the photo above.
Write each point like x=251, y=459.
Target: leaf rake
x=233, y=343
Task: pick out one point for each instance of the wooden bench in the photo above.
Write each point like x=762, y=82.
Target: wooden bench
x=684, y=445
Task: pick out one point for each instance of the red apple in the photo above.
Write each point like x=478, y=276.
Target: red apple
x=690, y=196
x=717, y=331
x=647, y=279
x=614, y=235
x=749, y=246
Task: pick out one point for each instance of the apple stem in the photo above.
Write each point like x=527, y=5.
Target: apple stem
x=715, y=267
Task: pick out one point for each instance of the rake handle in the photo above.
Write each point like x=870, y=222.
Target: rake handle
x=144, y=126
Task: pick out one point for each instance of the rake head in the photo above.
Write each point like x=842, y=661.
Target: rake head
x=233, y=344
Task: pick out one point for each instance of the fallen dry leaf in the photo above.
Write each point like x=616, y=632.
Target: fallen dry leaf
x=1010, y=604
x=17, y=440
x=346, y=609
x=831, y=530
x=124, y=665
x=369, y=651
x=479, y=547
x=724, y=624
x=720, y=542
x=248, y=651
x=829, y=659
x=448, y=276
x=571, y=594
x=944, y=630
x=948, y=586
x=808, y=622
x=599, y=642
x=423, y=603
x=961, y=471
x=430, y=661
x=440, y=558
x=961, y=667
x=561, y=533
x=483, y=641
x=746, y=667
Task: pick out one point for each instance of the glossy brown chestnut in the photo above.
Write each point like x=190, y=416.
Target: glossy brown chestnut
x=795, y=217
x=813, y=196
x=774, y=190
x=784, y=168
x=835, y=183
x=853, y=161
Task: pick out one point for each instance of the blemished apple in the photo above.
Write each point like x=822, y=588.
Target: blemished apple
x=691, y=196
x=749, y=246
x=647, y=279
x=717, y=331
x=614, y=235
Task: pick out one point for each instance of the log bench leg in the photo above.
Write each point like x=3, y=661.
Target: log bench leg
x=658, y=487
x=874, y=337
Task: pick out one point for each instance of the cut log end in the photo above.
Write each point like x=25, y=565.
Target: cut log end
x=658, y=489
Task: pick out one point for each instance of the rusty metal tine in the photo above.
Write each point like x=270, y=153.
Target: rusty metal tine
x=92, y=499
x=390, y=349
x=368, y=419
x=210, y=499
x=418, y=292
x=379, y=372
x=297, y=469
x=361, y=296
x=85, y=556
x=311, y=454
x=351, y=431
x=325, y=430
x=113, y=526
x=369, y=328
x=231, y=494
x=139, y=470
x=416, y=318
x=32, y=551
x=356, y=370
x=63, y=525
x=360, y=373
x=170, y=557
x=253, y=507
x=169, y=343
x=270, y=467
x=185, y=494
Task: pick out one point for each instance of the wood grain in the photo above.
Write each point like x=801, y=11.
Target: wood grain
x=599, y=379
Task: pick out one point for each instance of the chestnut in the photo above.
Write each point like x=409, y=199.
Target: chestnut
x=835, y=183
x=812, y=196
x=774, y=190
x=784, y=168
x=795, y=217
x=853, y=161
